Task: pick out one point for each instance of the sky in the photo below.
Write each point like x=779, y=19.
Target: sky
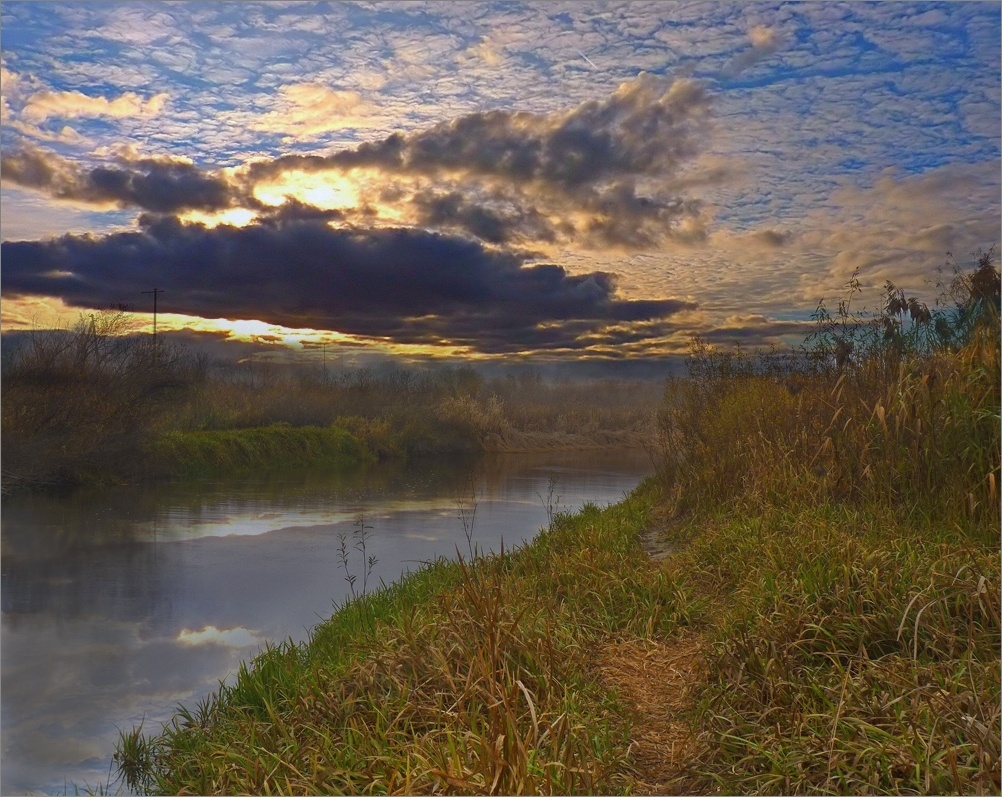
x=530, y=182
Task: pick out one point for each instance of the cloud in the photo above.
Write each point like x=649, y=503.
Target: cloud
x=157, y=184
x=13, y=88
x=65, y=135
x=28, y=216
x=68, y=104
x=613, y=173
x=620, y=165
x=489, y=50
x=902, y=227
x=9, y=81
x=649, y=126
x=453, y=210
x=770, y=238
x=753, y=329
x=858, y=86
x=310, y=109
x=764, y=42
x=763, y=38
x=238, y=637
x=403, y=285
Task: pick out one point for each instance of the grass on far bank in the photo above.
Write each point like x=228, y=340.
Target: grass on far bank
x=97, y=405
x=235, y=450
x=834, y=564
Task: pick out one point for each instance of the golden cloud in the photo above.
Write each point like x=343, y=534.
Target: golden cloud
x=763, y=37
x=311, y=109
x=67, y=104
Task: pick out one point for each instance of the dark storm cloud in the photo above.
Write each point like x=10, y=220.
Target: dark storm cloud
x=293, y=210
x=486, y=220
x=509, y=175
x=402, y=284
x=156, y=185
x=649, y=125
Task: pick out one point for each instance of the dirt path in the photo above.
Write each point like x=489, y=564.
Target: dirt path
x=656, y=546
x=659, y=681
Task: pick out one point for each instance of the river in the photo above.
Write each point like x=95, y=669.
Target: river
x=117, y=605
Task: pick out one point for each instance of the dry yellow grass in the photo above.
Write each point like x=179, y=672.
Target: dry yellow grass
x=659, y=680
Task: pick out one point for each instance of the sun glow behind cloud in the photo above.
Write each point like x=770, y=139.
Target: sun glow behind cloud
x=328, y=190
x=234, y=217
x=304, y=343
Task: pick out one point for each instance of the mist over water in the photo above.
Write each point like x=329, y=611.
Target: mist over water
x=117, y=605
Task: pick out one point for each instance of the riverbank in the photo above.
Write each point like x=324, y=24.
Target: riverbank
x=473, y=675
x=770, y=652
x=239, y=561
x=345, y=443
x=193, y=454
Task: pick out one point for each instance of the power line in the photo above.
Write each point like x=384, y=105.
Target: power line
x=155, y=291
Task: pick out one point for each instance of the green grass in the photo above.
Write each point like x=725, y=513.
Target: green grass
x=464, y=677
x=854, y=650
x=233, y=450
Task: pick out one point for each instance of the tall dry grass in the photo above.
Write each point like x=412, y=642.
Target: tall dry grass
x=80, y=405
x=909, y=414
x=841, y=513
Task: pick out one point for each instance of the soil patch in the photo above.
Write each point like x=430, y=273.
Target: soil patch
x=654, y=543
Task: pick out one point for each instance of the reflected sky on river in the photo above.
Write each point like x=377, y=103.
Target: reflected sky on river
x=118, y=605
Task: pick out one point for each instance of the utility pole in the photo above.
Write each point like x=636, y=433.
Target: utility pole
x=155, y=291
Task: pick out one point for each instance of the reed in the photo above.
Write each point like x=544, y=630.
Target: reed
x=905, y=418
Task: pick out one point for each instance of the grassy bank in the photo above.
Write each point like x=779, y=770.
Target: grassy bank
x=205, y=453
x=464, y=677
x=844, y=650
x=851, y=650
x=823, y=615
x=348, y=441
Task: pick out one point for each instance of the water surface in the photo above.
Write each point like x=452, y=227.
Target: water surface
x=120, y=604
